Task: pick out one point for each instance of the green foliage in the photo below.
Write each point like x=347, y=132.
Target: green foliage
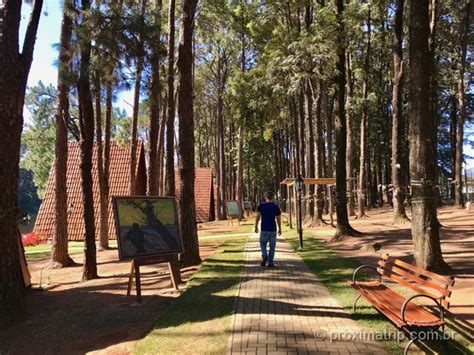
x=27, y=194
x=39, y=135
x=38, y=139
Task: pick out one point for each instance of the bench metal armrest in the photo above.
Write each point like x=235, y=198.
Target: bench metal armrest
x=408, y=300
x=364, y=267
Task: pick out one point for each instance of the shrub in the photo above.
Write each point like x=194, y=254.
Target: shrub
x=32, y=238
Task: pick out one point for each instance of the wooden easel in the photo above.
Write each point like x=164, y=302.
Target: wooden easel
x=173, y=266
x=230, y=220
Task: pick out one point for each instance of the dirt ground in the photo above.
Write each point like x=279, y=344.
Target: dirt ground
x=96, y=316
x=457, y=244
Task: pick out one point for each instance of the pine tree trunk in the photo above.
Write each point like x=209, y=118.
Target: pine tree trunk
x=11, y=115
x=187, y=205
x=453, y=124
x=459, y=201
x=301, y=133
x=379, y=182
x=425, y=229
x=330, y=133
x=170, y=185
x=240, y=148
x=363, y=176
x=86, y=124
x=161, y=149
x=14, y=70
x=107, y=143
x=399, y=214
x=318, y=142
x=230, y=164
x=103, y=197
x=134, y=144
x=370, y=180
x=220, y=148
x=153, y=168
x=434, y=95
x=59, y=247
x=350, y=140
x=240, y=169
x=329, y=171
x=310, y=151
x=296, y=138
x=343, y=228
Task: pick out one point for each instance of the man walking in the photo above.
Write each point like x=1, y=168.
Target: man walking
x=269, y=213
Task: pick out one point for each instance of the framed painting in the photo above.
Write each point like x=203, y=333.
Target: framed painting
x=233, y=209
x=146, y=226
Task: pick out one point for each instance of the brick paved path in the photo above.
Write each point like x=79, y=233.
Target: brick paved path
x=287, y=310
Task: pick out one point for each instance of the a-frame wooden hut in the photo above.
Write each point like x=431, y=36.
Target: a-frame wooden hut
x=119, y=182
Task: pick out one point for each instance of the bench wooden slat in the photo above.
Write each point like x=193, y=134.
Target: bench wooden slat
x=359, y=287
x=389, y=303
x=394, y=268
x=401, y=281
x=449, y=281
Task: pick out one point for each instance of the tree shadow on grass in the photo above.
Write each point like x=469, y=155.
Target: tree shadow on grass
x=90, y=316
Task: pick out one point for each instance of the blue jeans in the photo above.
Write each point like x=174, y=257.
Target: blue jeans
x=270, y=238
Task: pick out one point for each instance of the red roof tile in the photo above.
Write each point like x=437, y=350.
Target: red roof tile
x=119, y=186
x=118, y=182
x=203, y=194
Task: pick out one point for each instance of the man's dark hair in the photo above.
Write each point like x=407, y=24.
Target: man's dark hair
x=269, y=195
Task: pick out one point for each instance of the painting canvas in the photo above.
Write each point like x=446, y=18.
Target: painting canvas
x=233, y=209
x=146, y=226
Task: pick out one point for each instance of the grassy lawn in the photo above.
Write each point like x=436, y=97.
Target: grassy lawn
x=243, y=228
x=44, y=250
x=334, y=270
x=199, y=321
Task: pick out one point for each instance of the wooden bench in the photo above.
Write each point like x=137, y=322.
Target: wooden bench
x=405, y=314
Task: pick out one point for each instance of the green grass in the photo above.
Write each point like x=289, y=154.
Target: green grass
x=334, y=270
x=244, y=227
x=199, y=321
x=44, y=250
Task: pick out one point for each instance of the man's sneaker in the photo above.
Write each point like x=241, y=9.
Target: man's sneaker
x=264, y=261
x=271, y=265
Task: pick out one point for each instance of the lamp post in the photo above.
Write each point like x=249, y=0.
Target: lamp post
x=299, y=183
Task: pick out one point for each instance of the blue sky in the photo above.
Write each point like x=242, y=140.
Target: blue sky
x=46, y=55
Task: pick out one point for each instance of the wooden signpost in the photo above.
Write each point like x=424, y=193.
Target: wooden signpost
x=233, y=211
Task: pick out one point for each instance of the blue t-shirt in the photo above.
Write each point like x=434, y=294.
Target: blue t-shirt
x=269, y=212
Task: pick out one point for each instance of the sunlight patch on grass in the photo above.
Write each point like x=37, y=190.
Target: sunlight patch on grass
x=200, y=320
x=44, y=250
x=222, y=227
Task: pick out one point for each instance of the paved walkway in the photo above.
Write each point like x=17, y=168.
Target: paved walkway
x=286, y=310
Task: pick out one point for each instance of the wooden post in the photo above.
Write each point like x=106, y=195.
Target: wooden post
x=290, y=206
x=173, y=267
x=138, y=283
x=331, y=206
x=130, y=277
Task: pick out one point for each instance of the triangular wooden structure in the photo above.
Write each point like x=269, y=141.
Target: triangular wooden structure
x=118, y=181
x=119, y=186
